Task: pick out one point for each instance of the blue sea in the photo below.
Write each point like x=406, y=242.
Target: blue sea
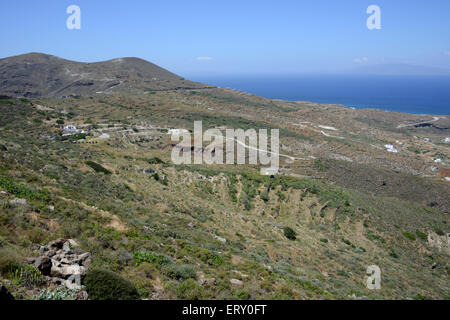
x=410, y=94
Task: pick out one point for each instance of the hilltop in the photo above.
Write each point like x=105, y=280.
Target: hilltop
x=42, y=75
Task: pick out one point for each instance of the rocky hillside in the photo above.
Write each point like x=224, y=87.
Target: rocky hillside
x=92, y=206
x=37, y=75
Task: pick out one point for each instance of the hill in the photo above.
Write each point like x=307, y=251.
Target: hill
x=41, y=75
x=343, y=202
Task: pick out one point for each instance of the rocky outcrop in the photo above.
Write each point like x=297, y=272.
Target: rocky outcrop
x=237, y=282
x=63, y=263
x=440, y=242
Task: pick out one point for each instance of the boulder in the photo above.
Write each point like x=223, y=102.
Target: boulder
x=56, y=244
x=66, y=248
x=73, y=243
x=84, y=256
x=65, y=271
x=236, y=282
x=73, y=282
x=223, y=240
x=206, y=281
x=44, y=264
x=85, y=259
x=50, y=253
x=43, y=250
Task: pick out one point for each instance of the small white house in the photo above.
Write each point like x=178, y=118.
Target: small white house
x=447, y=140
x=177, y=132
x=70, y=128
x=390, y=148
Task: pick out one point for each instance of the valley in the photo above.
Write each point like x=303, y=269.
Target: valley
x=92, y=163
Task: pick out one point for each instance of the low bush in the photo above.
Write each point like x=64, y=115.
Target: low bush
x=264, y=196
x=181, y=271
x=97, y=167
x=190, y=290
x=9, y=260
x=107, y=285
x=409, y=236
x=242, y=295
x=290, y=233
x=422, y=235
x=22, y=191
x=27, y=275
x=151, y=257
x=154, y=160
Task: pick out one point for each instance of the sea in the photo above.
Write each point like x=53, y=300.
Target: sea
x=408, y=94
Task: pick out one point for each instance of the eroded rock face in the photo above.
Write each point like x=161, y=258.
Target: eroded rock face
x=63, y=263
x=442, y=243
x=44, y=264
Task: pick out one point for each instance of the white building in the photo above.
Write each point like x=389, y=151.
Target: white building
x=390, y=148
x=70, y=128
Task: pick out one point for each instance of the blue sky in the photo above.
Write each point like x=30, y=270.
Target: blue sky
x=233, y=37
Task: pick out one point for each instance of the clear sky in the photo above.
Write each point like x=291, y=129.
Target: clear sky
x=233, y=37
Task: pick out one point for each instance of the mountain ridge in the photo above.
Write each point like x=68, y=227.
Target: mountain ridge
x=42, y=75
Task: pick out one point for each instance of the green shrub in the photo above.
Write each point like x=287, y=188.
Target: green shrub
x=281, y=195
x=210, y=257
x=422, y=235
x=180, y=271
x=264, y=196
x=151, y=257
x=22, y=191
x=242, y=295
x=393, y=254
x=9, y=260
x=324, y=240
x=320, y=165
x=107, y=285
x=190, y=290
x=347, y=242
x=97, y=167
x=79, y=136
x=245, y=201
x=60, y=121
x=409, y=236
x=154, y=160
x=27, y=275
x=6, y=101
x=290, y=233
